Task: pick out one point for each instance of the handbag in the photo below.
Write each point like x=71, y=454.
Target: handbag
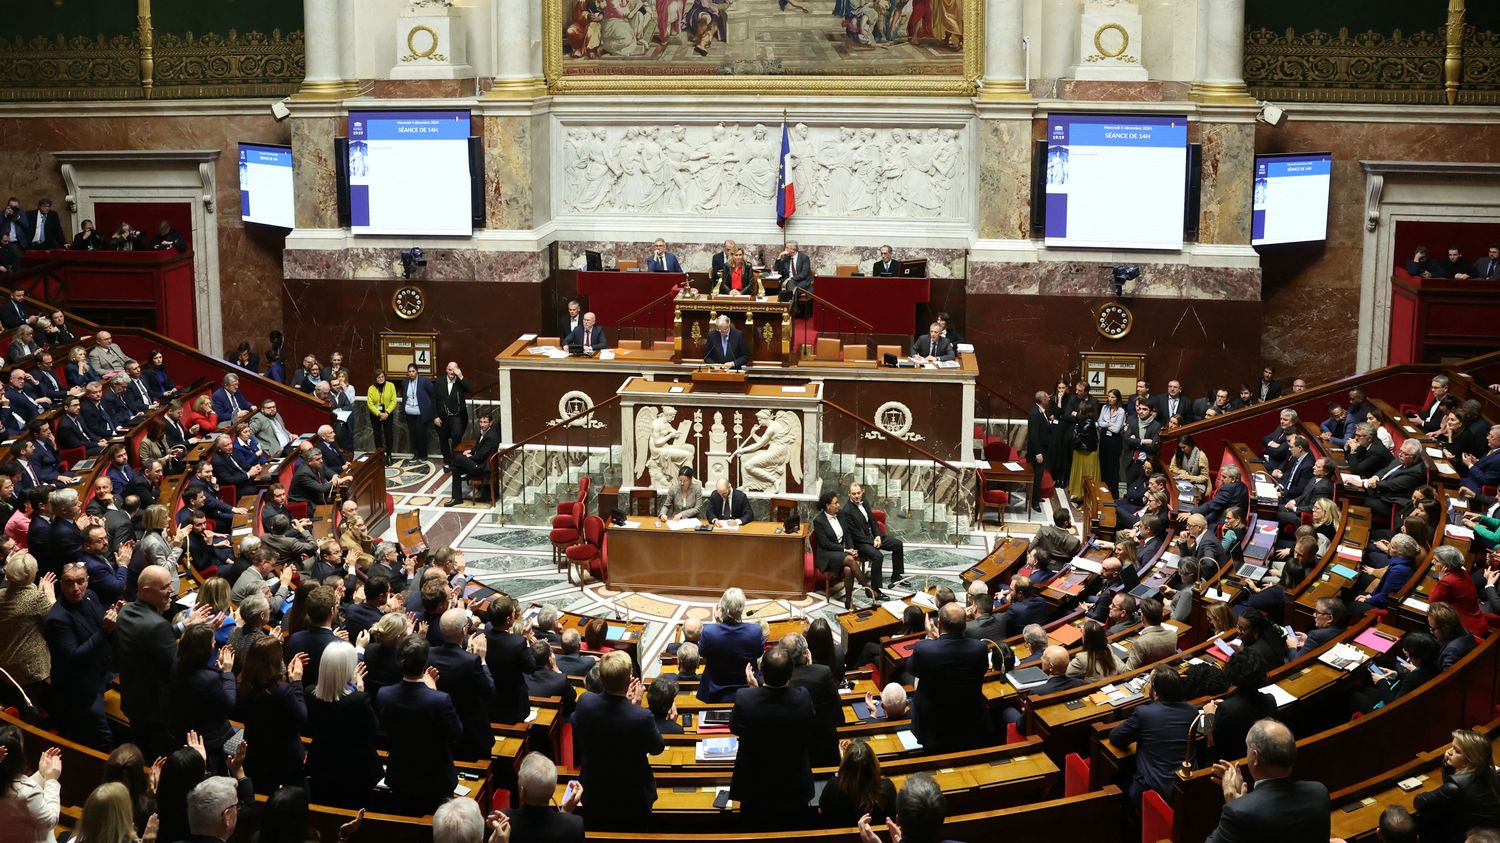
x=1085, y=437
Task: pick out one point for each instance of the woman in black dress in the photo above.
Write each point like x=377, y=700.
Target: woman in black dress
x=272, y=710
x=857, y=789
x=342, y=765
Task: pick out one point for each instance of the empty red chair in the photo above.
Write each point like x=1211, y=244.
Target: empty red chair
x=1075, y=775
x=1156, y=818
x=588, y=555
x=565, y=534
x=991, y=496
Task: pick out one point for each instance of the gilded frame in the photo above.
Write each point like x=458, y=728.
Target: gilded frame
x=965, y=85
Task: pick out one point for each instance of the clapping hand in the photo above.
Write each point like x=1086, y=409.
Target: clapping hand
x=633, y=693
x=226, y=659
x=430, y=678
x=49, y=766
x=195, y=743
x=750, y=679
x=236, y=762
x=359, y=675
x=499, y=828
x=296, y=666
x=1227, y=774
x=348, y=829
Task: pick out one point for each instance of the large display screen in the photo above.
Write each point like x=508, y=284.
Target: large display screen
x=266, y=185
x=1116, y=181
x=1291, y=198
x=409, y=172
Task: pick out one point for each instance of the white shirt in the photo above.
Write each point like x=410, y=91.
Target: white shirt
x=838, y=529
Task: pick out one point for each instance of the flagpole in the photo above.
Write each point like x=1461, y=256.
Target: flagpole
x=783, y=226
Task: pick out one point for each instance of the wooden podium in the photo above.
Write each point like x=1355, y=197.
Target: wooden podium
x=719, y=380
x=767, y=326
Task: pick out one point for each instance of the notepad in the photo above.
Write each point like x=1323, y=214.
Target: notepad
x=1414, y=603
x=1066, y=635
x=1342, y=571
x=1012, y=466
x=1375, y=640
x=1283, y=698
x=908, y=740
x=683, y=524
x=1447, y=469
x=895, y=607
x=1459, y=531
x=1350, y=479
x=1435, y=452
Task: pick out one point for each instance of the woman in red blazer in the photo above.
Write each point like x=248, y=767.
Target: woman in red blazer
x=1456, y=589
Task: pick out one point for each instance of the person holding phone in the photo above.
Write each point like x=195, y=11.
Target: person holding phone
x=535, y=818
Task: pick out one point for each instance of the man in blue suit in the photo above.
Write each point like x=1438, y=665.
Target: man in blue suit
x=1231, y=492
x=1159, y=729
x=418, y=409
x=775, y=724
x=613, y=735
x=1022, y=607
x=727, y=647
x=949, y=713
x=1279, y=807
x=21, y=401
x=421, y=728
x=316, y=634
x=662, y=260
x=464, y=676
x=229, y=403
x=1484, y=471
x=78, y=630
x=588, y=335
x=726, y=346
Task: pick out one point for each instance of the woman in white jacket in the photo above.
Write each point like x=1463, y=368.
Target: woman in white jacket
x=29, y=805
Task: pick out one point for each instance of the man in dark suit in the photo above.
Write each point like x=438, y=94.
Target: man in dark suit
x=613, y=737
x=316, y=635
x=932, y=346
x=728, y=504
x=661, y=698
x=465, y=677
x=509, y=659
x=949, y=712
x=1231, y=492
x=15, y=313
x=1455, y=266
x=534, y=818
x=475, y=461
x=885, y=266
x=1142, y=441
x=229, y=404
x=1421, y=265
x=421, y=727
x=588, y=335
x=78, y=631
x=43, y=228
x=453, y=410
x=985, y=625
x=1319, y=485
x=1279, y=807
x=1041, y=433
x=1174, y=403
x=1368, y=455
x=314, y=481
x=796, y=275
x=145, y=647
x=572, y=320
x=726, y=346
x=661, y=260
x=1393, y=486
x=1488, y=267
x=229, y=472
x=720, y=259
x=1330, y=619
x=146, y=484
x=870, y=538
x=358, y=617
x=822, y=688
x=545, y=680
x=1199, y=542
x=728, y=645
x=1160, y=731
x=1268, y=387
x=569, y=660
x=418, y=408
x=1485, y=470
x=775, y=723
x=1023, y=605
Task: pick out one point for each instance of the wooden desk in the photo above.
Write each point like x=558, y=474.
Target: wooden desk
x=756, y=557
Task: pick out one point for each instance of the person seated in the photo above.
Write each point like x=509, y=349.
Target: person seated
x=1456, y=266
x=1155, y=641
x=1421, y=265
x=796, y=276
x=1338, y=428
x=1469, y=797
x=885, y=267
x=661, y=698
x=1095, y=659
x=534, y=818
x=1367, y=456
x=728, y=506
x=588, y=335
x=1023, y=606
x=1420, y=663
x=167, y=239
x=1484, y=471
x=662, y=260
x=726, y=346
x=736, y=278
x=1275, y=448
x=932, y=347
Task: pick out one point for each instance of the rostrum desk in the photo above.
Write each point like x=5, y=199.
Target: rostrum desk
x=756, y=557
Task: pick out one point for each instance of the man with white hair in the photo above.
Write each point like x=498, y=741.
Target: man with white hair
x=726, y=346
x=535, y=818
x=228, y=470
x=332, y=456
x=661, y=259
x=106, y=357
x=1392, y=487
x=727, y=646
x=230, y=405
x=458, y=821
x=796, y=275
x=213, y=809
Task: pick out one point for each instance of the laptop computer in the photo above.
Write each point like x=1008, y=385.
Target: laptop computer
x=1144, y=592
x=1251, y=571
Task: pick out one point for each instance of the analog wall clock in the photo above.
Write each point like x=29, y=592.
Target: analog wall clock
x=1114, y=320
x=408, y=302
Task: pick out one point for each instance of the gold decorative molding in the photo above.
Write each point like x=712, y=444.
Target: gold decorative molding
x=214, y=65
x=1453, y=61
x=1124, y=42
x=1003, y=90
x=516, y=89
x=966, y=84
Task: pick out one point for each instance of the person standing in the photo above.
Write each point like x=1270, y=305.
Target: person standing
x=613, y=736
x=1111, y=435
x=1041, y=433
x=382, y=403
x=775, y=723
x=418, y=408
x=453, y=411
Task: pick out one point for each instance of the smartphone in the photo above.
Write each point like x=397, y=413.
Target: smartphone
x=687, y=720
x=570, y=790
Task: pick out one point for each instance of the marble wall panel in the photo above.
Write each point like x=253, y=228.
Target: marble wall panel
x=1088, y=279
x=1004, y=189
x=314, y=176
x=510, y=166
x=1228, y=177
x=443, y=265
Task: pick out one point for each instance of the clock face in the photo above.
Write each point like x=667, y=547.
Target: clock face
x=1114, y=320
x=408, y=302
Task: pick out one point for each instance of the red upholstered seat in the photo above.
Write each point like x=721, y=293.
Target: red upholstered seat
x=562, y=536
x=1075, y=775
x=72, y=456
x=588, y=555
x=298, y=509
x=1156, y=818
x=992, y=496
x=998, y=450
x=583, y=497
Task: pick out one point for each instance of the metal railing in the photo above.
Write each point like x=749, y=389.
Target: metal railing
x=529, y=477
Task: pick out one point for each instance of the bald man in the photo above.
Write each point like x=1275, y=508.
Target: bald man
x=588, y=335
x=145, y=646
x=333, y=456
x=949, y=712
x=728, y=506
x=452, y=420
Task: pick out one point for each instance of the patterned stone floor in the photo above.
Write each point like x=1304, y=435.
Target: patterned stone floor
x=518, y=560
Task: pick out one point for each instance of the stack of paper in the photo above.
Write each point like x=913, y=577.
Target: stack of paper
x=1459, y=531
x=1345, y=657
x=895, y=607
x=683, y=524
x=1350, y=479
x=908, y=740
x=1265, y=491
x=1089, y=565
x=925, y=600
x=1281, y=695
x=1012, y=466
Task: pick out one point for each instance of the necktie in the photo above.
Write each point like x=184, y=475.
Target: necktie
x=726, y=345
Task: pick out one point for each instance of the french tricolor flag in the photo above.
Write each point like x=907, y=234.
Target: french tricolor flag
x=786, y=192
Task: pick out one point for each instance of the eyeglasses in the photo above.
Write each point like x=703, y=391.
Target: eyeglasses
x=73, y=566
